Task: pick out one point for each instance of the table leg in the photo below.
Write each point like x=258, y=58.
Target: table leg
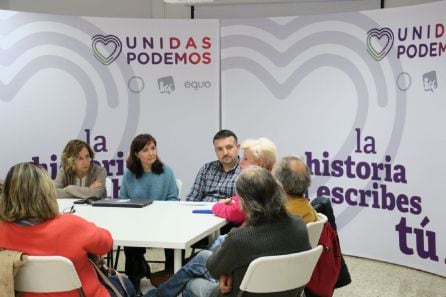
x=177, y=259
x=213, y=236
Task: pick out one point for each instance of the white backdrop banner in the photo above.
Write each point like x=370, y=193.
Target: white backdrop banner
x=105, y=80
x=362, y=97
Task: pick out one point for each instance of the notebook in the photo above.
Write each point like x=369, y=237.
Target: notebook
x=112, y=202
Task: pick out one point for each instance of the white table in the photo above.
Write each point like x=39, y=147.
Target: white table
x=163, y=224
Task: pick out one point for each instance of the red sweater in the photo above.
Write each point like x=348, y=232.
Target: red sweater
x=230, y=212
x=67, y=235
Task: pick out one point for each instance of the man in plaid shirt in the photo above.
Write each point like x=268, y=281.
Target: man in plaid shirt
x=216, y=179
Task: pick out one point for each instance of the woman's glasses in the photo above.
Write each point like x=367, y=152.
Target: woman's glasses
x=69, y=209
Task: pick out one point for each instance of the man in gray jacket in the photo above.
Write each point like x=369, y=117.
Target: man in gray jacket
x=268, y=230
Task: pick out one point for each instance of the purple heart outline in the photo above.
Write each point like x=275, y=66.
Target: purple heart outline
x=378, y=55
x=105, y=57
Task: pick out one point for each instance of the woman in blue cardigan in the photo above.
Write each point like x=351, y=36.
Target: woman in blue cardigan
x=146, y=177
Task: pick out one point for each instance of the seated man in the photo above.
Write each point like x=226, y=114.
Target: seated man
x=215, y=180
x=267, y=231
x=295, y=178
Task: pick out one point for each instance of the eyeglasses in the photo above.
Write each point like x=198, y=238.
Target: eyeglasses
x=69, y=209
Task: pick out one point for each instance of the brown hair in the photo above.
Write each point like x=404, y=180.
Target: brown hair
x=71, y=152
x=133, y=164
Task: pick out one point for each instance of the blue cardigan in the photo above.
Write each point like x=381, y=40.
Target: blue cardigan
x=150, y=185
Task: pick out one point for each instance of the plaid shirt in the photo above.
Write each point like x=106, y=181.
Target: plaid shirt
x=213, y=183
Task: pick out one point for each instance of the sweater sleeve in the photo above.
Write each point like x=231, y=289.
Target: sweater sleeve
x=123, y=193
x=93, y=239
x=231, y=212
x=172, y=190
x=101, y=240
x=98, y=174
x=65, y=190
x=59, y=184
x=224, y=260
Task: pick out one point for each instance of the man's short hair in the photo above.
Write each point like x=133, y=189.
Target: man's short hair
x=224, y=134
x=293, y=174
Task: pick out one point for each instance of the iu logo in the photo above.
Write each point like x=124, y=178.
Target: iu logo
x=166, y=85
x=106, y=48
x=430, y=82
x=379, y=42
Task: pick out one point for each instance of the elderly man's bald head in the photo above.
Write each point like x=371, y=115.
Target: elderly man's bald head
x=293, y=174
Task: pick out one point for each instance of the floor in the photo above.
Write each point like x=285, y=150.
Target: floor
x=369, y=279
x=379, y=279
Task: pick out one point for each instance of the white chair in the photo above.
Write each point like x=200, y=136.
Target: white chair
x=109, y=187
x=47, y=274
x=280, y=273
x=179, y=187
x=315, y=229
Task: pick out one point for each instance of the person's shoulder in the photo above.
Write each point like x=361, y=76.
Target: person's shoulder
x=297, y=221
x=97, y=167
x=167, y=169
x=128, y=173
x=60, y=171
x=239, y=233
x=69, y=219
x=213, y=165
x=237, y=168
x=73, y=222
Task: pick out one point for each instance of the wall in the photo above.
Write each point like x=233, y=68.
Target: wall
x=222, y=8
x=384, y=109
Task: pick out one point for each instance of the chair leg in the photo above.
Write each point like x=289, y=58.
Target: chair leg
x=81, y=292
x=110, y=258
x=117, y=258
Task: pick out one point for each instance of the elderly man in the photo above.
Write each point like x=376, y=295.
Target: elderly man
x=267, y=224
x=216, y=179
x=295, y=178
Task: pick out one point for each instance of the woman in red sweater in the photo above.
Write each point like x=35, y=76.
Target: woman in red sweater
x=30, y=223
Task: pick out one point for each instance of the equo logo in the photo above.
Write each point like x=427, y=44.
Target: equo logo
x=379, y=42
x=106, y=48
x=196, y=85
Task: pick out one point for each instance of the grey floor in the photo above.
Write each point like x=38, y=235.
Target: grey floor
x=369, y=279
x=379, y=279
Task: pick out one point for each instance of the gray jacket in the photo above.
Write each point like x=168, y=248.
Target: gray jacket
x=66, y=188
x=244, y=244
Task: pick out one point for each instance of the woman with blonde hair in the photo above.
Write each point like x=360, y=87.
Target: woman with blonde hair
x=260, y=152
x=30, y=223
x=79, y=176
